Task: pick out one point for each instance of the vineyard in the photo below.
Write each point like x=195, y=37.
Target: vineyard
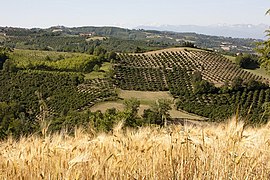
x=174, y=71
x=213, y=67
x=251, y=104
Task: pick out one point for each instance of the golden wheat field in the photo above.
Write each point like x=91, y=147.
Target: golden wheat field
x=224, y=151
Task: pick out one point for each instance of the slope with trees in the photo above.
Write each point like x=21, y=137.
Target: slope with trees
x=204, y=83
x=263, y=49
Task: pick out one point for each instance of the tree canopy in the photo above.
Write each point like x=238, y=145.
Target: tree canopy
x=263, y=49
x=247, y=61
x=3, y=57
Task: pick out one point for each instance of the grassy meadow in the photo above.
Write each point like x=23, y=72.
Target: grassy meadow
x=61, y=61
x=147, y=100
x=101, y=73
x=224, y=151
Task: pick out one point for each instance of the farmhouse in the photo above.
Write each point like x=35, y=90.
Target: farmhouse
x=87, y=34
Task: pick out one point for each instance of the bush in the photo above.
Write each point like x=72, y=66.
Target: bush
x=203, y=86
x=247, y=61
x=3, y=58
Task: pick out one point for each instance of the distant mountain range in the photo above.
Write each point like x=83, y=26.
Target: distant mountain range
x=235, y=31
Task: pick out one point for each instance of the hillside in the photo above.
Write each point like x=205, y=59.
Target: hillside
x=70, y=88
x=202, y=82
x=83, y=39
x=59, y=110
x=224, y=151
x=106, y=90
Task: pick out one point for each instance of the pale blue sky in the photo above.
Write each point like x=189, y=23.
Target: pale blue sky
x=131, y=13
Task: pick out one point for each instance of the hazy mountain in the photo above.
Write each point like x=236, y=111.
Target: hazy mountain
x=236, y=30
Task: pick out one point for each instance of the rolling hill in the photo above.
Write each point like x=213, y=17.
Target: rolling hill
x=174, y=70
x=60, y=38
x=40, y=82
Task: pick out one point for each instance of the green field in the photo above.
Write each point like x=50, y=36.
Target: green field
x=50, y=60
x=101, y=73
x=259, y=71
x=147, y=100
x=231, y=58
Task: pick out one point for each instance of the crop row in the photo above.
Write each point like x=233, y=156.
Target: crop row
x=213, y=67
x=220, y=106
x=138, y=78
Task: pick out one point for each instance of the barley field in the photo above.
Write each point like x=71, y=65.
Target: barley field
x=216, y=151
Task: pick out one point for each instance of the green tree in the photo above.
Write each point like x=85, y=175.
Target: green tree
x=252, y=84
x=196, y=76
x=247, y=61
x=131, y=109
x=9, y=66
x=203, y=86
x=138, y=50
x=189, y=44
x=163, y=108
x=3, y=58
x=225, y=87
x=111, y=55
x=263, y=49
x=99, y=51
x=152, y=116
x=237, y=84
x=96, y=67
x=132, y=105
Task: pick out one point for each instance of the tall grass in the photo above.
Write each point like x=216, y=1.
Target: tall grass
x=224, y=151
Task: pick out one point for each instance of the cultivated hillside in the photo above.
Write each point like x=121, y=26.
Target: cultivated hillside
x=202, y=82
x=64, y=88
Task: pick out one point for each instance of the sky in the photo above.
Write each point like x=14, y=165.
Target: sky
x=131, y=13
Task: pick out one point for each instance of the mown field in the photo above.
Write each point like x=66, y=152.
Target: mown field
x=225, y=151
x=147, y=99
